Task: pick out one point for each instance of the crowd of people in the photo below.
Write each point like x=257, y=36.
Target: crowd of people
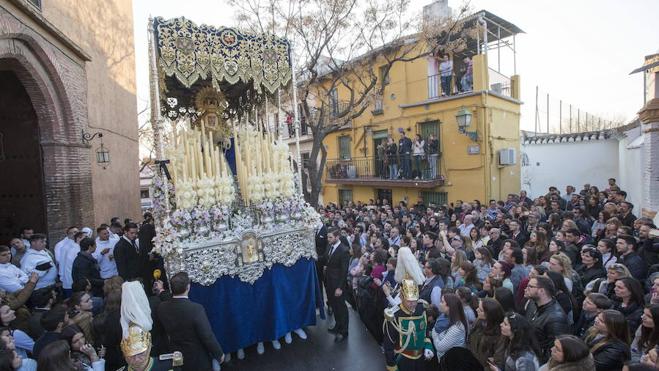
x=560, y=282
x=409, y=159
x=98, y=301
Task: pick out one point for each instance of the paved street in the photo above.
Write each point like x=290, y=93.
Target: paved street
x=319, y=352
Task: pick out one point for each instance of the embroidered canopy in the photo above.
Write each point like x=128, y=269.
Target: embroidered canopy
x=190, y=57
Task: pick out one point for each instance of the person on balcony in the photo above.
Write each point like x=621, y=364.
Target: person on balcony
x=381, y=160
x=467, y=80
x=392, y=151
x=432, y=148
x=419, y=154
x=405, y=150
x=445, y=74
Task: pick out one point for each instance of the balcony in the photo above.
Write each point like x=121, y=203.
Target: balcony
x=371, y=171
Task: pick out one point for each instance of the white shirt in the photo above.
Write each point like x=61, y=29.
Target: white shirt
x=59, y=248
x=69, y=254
x=446, y=68
x=106, y=262
x=334, y=248
x=12, y=279
x=31, y=259
x=137, y=242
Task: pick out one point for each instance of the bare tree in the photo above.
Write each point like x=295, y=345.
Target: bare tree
x=145, y=140
x=345, y=46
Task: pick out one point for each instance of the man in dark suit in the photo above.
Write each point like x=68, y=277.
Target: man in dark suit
x=517, y=234
x=187, y=327
x=128, y=255
x=321, y=250
x=151, y=261
x=336, y=272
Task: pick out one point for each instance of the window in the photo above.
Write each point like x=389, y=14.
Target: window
x=345, y=196
x=437, y=198
x=344, y=147
x=144, y=193
x=334, y=102
x=427, y=128
x=383, y=75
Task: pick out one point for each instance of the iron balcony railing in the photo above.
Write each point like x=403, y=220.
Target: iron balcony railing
x=373, y=167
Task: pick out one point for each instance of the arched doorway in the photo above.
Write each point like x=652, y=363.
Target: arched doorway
x=21, y=188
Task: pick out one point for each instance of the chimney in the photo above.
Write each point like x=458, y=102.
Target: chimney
x=435, y=11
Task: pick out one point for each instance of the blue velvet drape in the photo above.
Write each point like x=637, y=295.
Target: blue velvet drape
x=230, y=155
x=282, y=300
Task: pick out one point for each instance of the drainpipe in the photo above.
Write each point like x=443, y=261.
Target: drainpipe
x=483, y=23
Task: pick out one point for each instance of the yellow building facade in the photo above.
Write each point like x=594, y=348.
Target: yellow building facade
x=479, y=162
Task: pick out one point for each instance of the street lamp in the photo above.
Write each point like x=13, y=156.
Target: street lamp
x=463, y=117
x=102, y=156
x=102, y=153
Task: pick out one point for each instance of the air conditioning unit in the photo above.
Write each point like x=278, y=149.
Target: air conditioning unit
x=507, y=156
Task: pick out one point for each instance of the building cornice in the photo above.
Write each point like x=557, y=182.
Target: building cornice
x=458, y=96
x=650, y=112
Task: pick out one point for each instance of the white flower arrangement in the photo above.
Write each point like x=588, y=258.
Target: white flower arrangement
x=186, y=195
x=206, y=192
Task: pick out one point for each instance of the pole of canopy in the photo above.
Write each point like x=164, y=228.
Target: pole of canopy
x=157, y=126
x=156, y=120
x=279, y=116
x=296, y=117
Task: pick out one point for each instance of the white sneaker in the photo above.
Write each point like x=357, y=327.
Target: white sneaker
x=241, y=353
x=260, y=349
x=287, y=338
x=227, y=357
x=300, y=332
x=276, y=344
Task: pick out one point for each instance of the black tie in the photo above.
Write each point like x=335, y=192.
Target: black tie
x=135, y=246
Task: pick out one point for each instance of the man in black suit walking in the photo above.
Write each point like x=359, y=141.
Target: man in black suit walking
x=129, y=257
x=187, y=327
x=336, y=272
x=321, y=250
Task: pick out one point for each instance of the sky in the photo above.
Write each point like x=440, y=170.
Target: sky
x=579, y=52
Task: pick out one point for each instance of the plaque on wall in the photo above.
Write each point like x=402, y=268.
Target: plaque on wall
x=474, y=149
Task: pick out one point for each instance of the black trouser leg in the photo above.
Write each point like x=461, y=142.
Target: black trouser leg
x=340, y=310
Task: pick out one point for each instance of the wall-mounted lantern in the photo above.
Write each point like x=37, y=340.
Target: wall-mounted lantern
x=463, y=117
x=102, y=153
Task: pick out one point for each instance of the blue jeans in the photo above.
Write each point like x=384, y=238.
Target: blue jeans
x=446, y=85
x=393, y=171
x=418, y=160
x=466, y=82
x=432, y=164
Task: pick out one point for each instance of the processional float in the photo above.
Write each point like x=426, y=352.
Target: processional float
x=228, y=205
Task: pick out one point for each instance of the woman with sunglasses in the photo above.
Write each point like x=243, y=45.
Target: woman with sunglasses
x=606, y=285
